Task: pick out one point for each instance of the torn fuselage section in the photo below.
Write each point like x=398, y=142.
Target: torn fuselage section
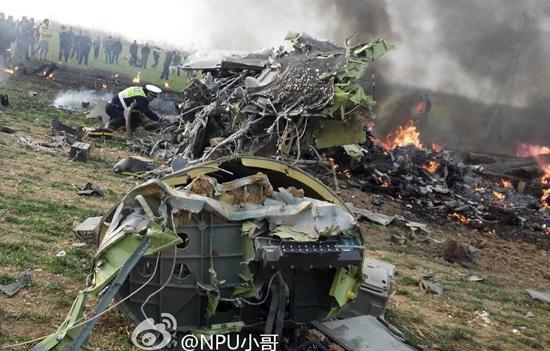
x=242, y=243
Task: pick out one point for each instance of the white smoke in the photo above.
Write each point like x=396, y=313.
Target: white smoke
x=79, y=100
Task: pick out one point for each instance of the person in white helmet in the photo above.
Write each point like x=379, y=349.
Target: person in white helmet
x=139, y=97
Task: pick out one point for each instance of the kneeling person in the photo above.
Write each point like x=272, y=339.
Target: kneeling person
x=137, y=98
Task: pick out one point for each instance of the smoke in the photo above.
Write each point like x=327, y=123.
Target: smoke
x=79, y=100
x=493, y=50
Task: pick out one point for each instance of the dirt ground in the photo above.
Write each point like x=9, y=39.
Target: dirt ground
x=37, y=189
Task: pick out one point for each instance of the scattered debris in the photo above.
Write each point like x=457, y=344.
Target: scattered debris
x=20, y=282
x=90, y=190
x=543, y=296
x=61, y=253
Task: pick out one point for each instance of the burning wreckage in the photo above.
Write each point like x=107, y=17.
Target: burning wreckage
x=233, y=242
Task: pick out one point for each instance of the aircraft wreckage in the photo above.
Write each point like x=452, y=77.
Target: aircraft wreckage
x=244, y=244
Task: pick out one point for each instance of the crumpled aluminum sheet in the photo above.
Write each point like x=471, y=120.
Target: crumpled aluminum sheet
x=304, y=215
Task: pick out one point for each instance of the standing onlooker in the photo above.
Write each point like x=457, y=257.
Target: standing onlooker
x=156, y=56
x=108, y=49
x=31, y=36
x=97, y=45
x=145, y=51
x=63, y=41
x=44, y=39
x=84, y=49
x=166, y=66
x=68, y=44
x=76, y=46
x=176, y=61
x=21, y=47
x=117, y=50
x=133, y=54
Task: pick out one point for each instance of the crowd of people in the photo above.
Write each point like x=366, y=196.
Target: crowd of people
x=32, y=37
x=29, y=37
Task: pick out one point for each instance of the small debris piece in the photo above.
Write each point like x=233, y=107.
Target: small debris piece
x=61, y=253
x=20, y=282
x=100, y=132
x=375, y=217
x=417, y=225
x=134, y=164
x=398, y=239
x=87, y=231
x=475, y=278
x=90, y=190
x=429, y=287
x=80, y=152
x=32, y=93
x=7, y=130
x=543, y=296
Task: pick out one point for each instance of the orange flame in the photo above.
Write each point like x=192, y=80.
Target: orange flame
x=431, y=166
x=384, y=182
x=499, y=196
x=459, y=217
x=10, y=71
x=505, y=183
x=480, y=189
x=50, y=76
x=167, y=85
x=403, y=136
x=137, y=78
x=536, y=151
x=104, y=86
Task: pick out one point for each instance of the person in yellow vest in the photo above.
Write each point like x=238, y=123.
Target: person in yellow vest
x=44, y=36
x=140, y=97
